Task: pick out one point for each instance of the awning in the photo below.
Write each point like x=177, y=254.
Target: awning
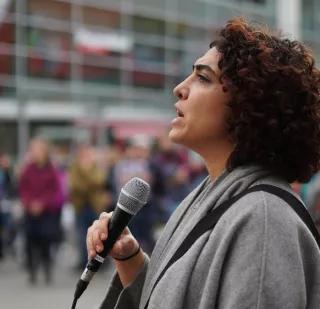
x=89, y=41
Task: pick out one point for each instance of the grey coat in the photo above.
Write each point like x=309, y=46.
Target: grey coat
x=260, y=254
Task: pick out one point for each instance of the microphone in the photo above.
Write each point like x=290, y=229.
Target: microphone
x=133, y=196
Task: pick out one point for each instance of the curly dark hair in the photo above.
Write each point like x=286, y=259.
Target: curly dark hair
x=275, y=107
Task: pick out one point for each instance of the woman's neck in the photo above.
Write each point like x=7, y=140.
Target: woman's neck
x=216, y=159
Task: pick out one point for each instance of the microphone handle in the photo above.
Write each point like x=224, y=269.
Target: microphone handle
x=118, y=221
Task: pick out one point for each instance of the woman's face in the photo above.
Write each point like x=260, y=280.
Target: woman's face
x=202, y=106
x=39, y=151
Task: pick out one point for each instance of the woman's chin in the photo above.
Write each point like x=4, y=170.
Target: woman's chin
x=175, y=137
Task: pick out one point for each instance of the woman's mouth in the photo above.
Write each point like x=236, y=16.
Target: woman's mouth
x=178, y=118
x=179, y=113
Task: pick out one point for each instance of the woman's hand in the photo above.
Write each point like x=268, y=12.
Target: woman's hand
x=124, y=247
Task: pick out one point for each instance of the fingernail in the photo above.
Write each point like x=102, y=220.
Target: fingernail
x=103, y=236
x=98, y=248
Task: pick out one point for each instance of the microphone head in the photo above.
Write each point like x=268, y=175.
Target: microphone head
x=134, y=195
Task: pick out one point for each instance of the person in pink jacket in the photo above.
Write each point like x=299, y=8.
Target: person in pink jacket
x=40, y=193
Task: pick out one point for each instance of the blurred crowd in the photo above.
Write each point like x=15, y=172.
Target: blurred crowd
x=53, y=182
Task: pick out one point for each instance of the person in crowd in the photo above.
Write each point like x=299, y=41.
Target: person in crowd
x=6, y=193
x=179, y=186
x=87, y=195
x=251, y=109
x=60, y=157
x=135, y=163
x=166, y=161
x=310, y=194
x=40, y=194
x=113, y=154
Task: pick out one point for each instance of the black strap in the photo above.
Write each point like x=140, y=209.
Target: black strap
x=210, y=220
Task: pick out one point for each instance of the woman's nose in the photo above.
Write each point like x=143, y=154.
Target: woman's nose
x=181, y=91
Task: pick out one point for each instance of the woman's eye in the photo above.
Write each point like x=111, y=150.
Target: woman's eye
x=203, y=78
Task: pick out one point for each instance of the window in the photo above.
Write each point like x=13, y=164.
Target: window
x=149, y=66
x=148, y=80
x=148, y=25
x=100, y=18
x=175, y=67
x=6, y=48
x=7, y=59
x=91, y=73
x=309, y=15
x=101, y=54
x=148, y=53
x=50, y=8
x=100, y=69
x=6, y=91
x=195, y=33
x=177, y=30
x=48, y=54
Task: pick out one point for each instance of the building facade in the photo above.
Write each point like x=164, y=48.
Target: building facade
x=70, y=65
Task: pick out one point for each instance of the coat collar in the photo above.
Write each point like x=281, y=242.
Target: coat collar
x=211, y=194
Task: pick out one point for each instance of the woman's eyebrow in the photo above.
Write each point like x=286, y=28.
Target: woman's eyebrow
x=203, y=67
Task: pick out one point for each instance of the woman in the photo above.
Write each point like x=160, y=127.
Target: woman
x=41, y=196
x=250, y=108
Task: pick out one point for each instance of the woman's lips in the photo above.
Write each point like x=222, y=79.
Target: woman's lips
x=179, y=112
x=176, y=120
x=179, y=116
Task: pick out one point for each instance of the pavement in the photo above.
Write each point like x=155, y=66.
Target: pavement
x=16, y=292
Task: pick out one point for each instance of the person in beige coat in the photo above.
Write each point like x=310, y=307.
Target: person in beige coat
x=87, y=195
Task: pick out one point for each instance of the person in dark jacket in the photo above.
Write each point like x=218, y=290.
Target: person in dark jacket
x=7, y=230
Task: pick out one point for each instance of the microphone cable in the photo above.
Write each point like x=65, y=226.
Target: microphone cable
x=74, y=303
x=81, y=286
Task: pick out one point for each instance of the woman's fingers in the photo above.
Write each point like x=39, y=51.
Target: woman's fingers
x=105, y=215
x=98, y=245
x=90, y=245
x=124, y=246
x=104, y=219
x=97, y=233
